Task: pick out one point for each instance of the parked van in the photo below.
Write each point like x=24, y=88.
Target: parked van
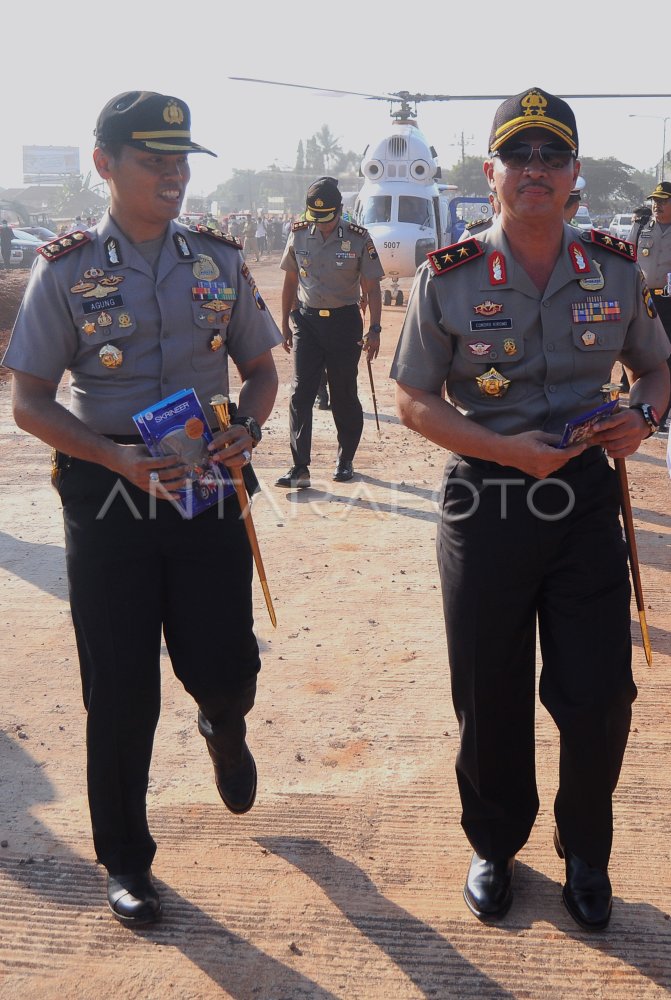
x=620, y=226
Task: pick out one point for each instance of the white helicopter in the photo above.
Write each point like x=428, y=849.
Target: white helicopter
x=401, y=203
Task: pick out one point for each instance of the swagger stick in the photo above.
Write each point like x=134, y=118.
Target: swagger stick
x=372, y=389
x=219, y=404
x=612, y=391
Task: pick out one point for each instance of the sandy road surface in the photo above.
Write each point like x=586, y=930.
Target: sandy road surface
x=345, y=879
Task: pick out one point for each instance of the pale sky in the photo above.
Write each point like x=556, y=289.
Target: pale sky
x=85, y=54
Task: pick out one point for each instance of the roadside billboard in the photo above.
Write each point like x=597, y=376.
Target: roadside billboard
x=49, y=164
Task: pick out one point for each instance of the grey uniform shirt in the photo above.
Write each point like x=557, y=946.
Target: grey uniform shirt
x=171, y=330
x=329, y=270
x=555, y=348
x=654, y=252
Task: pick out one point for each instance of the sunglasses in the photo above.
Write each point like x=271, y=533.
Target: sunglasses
x=519, y=156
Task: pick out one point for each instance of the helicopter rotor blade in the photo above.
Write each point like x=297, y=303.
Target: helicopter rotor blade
x=404, y=96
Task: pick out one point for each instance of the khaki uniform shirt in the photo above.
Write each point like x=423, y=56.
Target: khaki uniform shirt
x=330, y=270
x=654, y=253
x=170, y=331
x=541, y=357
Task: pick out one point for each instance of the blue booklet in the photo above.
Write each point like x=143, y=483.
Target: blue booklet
x=177, y=426
x=581, y=428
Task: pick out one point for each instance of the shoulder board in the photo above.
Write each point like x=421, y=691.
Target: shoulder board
x=217, y=234
x=299, y=225
x=352, y=226
x=476, y=223
x=455, y=255
x=64, y=244
x=621, y=247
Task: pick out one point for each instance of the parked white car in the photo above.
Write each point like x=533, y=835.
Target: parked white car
x=620, y=226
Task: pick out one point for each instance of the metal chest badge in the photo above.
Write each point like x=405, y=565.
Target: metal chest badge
x=493, y=383
x=111, y=356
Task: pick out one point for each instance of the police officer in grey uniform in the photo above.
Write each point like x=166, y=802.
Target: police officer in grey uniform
x=328, y=263
x=524, y=325
x=136, y=309
x=653, y=240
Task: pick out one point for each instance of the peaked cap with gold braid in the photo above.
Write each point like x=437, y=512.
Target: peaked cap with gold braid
x=534, y=108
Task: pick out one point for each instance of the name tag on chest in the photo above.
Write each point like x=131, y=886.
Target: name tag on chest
x=490, y=324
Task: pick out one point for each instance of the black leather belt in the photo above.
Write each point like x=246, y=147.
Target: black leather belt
x=586, y=458
x=324, y=313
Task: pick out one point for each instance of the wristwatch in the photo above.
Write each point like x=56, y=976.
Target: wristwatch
x=649, y=415
x=375, y=328
x=252, y=428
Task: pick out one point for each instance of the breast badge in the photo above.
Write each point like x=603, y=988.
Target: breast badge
x=205, y=268
x=480, y=348
x=595, y=282
x=509, y=346
x=124, y=320
x=588, y=338
x=104, y=319
x=89, y=328
x=216, y=342
x=488, y=308
x=111, y=356
x=493, y=383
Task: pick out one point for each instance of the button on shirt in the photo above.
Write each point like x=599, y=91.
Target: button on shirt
x=556, y=348
x=165, y=326
x=329, y=270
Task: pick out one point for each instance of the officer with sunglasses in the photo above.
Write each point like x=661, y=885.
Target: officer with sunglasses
x=524, y=324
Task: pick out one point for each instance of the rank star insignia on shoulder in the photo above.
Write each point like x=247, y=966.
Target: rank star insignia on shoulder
x=217, y=234
x=357, y=229
x=608, y=242
x=297, y=226
x=452, y=256
x=64, y=244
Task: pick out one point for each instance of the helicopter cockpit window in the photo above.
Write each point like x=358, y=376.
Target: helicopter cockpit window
x=377, y=209
x=415, y=210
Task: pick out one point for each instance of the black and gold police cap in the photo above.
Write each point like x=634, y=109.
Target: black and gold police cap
x=534, y=108
x=146, y=120
x=662, y=191
x=323, y=200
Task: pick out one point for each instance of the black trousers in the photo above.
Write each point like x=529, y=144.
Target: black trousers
x=133, y=573
x=331, y=342
x=511, y=556
x=663, y=307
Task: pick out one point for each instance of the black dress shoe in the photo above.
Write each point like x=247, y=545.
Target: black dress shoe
x=237, y=786
x=344, y=471
x=488, y=890
x=587, y=895
x=298, y=477
x=133, y=899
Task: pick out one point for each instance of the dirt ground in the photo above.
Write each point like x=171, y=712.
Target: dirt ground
x=345, y=879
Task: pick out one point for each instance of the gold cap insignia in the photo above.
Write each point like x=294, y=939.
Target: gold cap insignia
x=173, y=114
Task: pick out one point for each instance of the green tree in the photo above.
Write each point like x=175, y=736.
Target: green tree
x=314, y=157
x=328, y=146
x=468, y=175
x=612, y=186
x=300, y=158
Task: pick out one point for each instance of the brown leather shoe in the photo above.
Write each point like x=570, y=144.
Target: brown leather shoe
x=488, y=890
x=587, y=894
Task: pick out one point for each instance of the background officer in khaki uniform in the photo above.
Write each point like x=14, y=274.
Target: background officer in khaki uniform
x=137, y=308
x=524, y=325
x=328, y=264
x=653, y=241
